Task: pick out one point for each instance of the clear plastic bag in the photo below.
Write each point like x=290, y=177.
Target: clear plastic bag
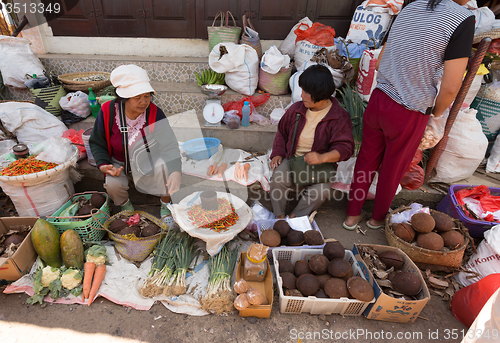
x=241, y=302
x=256, y=297
x=76, y=103
x=232, y=119
x=241, y=286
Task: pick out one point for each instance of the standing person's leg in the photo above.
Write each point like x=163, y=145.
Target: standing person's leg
x=117, y=188
x=403, y=130
x=280, y=185
x=368, y=160
x=312, y=198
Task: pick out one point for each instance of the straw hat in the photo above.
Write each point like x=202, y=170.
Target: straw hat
x=493, y=34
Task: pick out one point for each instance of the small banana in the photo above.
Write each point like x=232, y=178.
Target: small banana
x=198, y=79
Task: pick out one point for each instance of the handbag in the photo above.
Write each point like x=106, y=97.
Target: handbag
x=219, y=34
x=250, y=36
x=304, y=174
x=141, y=159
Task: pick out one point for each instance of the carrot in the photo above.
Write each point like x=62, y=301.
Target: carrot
x=100, y=270
x=222, y=169
x=209, y=170
x=88, y=273
x=214, y=168
x=246, y=167
x=236, y=170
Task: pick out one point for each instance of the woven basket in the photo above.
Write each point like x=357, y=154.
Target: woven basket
x=28, y=101
x=135, y=250
x=444, y=257
x=493, y=34
x=69, y=83
x=275, y=84
x=89, y=230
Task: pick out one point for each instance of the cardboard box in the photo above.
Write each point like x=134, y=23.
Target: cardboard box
x=266, y=287
x=387, y=308
x=16, y=266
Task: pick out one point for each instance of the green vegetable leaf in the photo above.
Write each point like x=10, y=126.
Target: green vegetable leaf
x=77, y=291
x=37, y=281
x=55, y=288
x=97, y=251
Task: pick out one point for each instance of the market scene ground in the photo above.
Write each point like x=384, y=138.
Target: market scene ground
x=108, y=322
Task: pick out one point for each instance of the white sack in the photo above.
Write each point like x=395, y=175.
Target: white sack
x=29, y=122
x=367, y=74
x=493, y=165
x=240, y=64
x=487, y=259
x=485, y=19
x=273, y=60
x=465, y=150
x=366, y=24
x=288, y=44
x=17, y=60
x=304, y=51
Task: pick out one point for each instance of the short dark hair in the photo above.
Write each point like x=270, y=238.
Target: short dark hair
x=317, y=81
x=119, y=99
x=432, y=4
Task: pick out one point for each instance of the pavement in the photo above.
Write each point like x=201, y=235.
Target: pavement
x=108, y=322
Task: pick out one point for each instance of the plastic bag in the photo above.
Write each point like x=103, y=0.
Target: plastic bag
x=55, y=150
x=256, y=297
x=257, y=118
x=255, y=100
x=76, y=103
x=288, y=44
x=317, y=34
x=413, y=178
x=76, y=138
x=485, y=19
x=231, y=119
x=241, y=302
x=468, y=302
x=493, y=165
x=241, y=286
x=393, y=6
x=434, y=131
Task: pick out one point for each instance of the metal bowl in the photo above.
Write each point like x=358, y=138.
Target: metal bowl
x=213, y=90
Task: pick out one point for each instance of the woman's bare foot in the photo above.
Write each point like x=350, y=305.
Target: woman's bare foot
x=282, y=216
x=292, y=215
x=353, y=220
x=375, y=224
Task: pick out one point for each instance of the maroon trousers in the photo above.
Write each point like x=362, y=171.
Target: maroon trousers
x=391, y=136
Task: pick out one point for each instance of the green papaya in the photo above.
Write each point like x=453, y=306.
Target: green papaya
x=45, y=239
x=72, y=249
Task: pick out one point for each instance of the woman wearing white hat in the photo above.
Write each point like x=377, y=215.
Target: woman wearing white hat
x=152, y=157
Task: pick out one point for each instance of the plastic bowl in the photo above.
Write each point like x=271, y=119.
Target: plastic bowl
x=201, y=148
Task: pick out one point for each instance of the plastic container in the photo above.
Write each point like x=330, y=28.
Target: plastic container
x=201, y=148
x=254, y=270
x=450, y=205
x=245, y=111
x=86, y=137
x=94, y=105
x=311, y=304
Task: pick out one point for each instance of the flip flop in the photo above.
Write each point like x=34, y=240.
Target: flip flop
x=374, y=227
x=351, y=228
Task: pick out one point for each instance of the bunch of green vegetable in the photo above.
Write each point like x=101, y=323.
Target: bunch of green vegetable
x=185, y=254
x=220, y=295
x=162, y=267
x=56, y=282
x=355, y=106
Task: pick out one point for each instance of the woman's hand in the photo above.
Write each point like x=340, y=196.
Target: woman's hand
x=276, y=161
x=110, y=169
x=313, y=158
x=173, y=182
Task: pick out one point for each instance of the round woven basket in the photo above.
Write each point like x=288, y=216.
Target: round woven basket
x=444, y=257
x=69, y=83
x=493, y=34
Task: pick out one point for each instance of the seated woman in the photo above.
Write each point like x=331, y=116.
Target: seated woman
x=324, y=134
x=128, y=121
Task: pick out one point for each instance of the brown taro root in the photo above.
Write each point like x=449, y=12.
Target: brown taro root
x=391, y=259
x=295, y=238
x=270, y=237
x=336, y=288
x=407, y=283
x=430, y=240
x=307, y=284
x=13, y=239
x=453, y=239
x=286, y=266
x=289, y=280
x=404, y=231
x=340, y=268
x=333, y=250
x=117, y=225
x=319, y=264
x=150, y=230
x=360, y=289
x=134, y=229
x=85, y=210
x=321, y=294
x=302, y=267
x=313, y=237
x=97, y=200
x=282, y=227
x=323, y=279
x=443, y=221
x=422, y=222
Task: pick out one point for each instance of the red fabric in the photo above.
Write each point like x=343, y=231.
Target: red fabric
x=317, y=34
x=489, y=203
x=391, y=135
x=413, y=178
x=468, y=302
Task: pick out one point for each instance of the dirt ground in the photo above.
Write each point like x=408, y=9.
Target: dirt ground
x=105, y=321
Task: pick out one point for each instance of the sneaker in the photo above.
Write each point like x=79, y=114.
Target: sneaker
x=166, y=216
x=127, y=206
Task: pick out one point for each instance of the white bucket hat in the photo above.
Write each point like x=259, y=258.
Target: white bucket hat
x=130, y=80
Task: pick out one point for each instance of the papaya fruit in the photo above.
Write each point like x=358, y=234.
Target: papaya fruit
x=72, y=249
x=45, y=238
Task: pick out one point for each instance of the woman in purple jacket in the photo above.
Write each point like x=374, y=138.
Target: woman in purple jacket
x=324, y=134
